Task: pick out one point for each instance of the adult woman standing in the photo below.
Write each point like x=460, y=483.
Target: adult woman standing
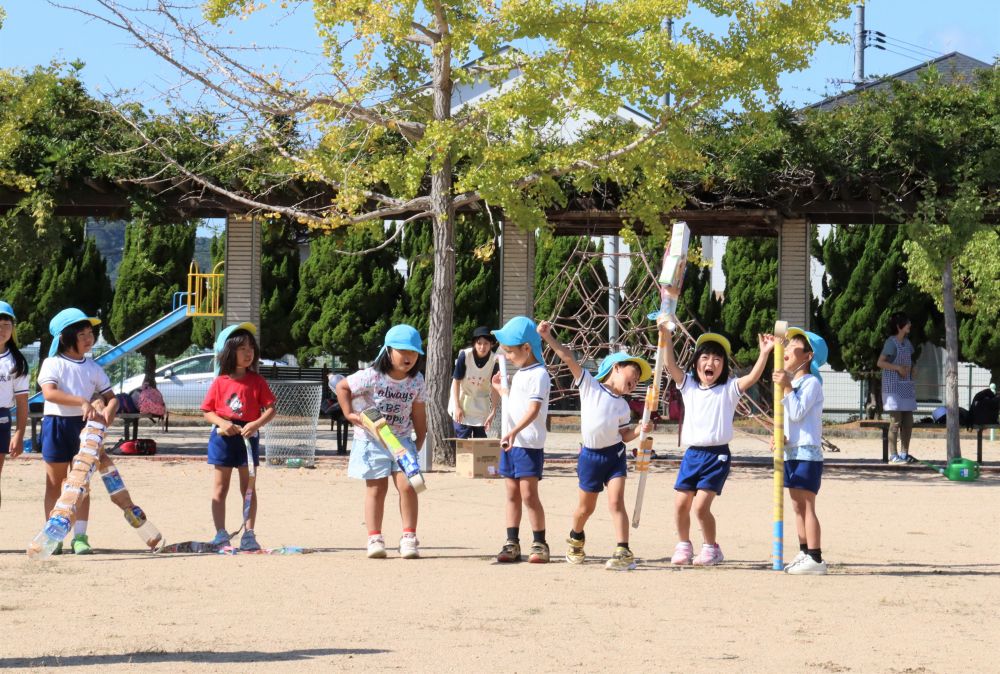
x=473, y=402
x=899, y=395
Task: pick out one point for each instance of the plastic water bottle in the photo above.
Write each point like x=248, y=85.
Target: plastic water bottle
x=52, y=534
x=408, y=464
x=113, y=481
x=147, y=530
x=294, y=463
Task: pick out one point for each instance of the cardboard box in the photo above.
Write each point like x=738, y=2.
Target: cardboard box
x=477, y=458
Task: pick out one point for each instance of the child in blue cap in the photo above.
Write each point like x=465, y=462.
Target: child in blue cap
x=606, y=425
x=523, y=441
x=13, y=387
x=394, y=385
x=238, y=404
x=710, y=397
x=69, y=382
x=803, y=403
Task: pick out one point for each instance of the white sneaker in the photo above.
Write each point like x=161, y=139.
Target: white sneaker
x=408, y=546
x=376, y=547
x=897, y=460
x=798, y=558
x=807, y=566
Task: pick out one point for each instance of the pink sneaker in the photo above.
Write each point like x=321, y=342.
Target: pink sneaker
x=710, y=555
x=683, y=553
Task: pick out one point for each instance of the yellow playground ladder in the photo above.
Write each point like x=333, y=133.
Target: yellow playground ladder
x=204, y=291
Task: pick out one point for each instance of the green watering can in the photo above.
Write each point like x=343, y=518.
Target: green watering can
x=958, y=470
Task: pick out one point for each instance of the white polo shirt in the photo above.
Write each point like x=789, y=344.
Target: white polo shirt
x=83, y=378
x=10, y=385
x=708, y=412
x=529, y=384
x=602, y=413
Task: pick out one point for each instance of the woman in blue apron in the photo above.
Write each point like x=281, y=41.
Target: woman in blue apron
x=899, y=396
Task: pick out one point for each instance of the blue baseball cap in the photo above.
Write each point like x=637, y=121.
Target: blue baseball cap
x=403, y=337
x=63, y=320
x=645, y=372
x=818, y=345
x=521, y=330
x=7, y=310
x=220, y=341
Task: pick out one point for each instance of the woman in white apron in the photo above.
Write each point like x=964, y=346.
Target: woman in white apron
x=899, y=396
x=473, y=402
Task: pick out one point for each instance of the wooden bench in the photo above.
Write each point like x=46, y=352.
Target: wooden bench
x=130, y=422
x=884, y=426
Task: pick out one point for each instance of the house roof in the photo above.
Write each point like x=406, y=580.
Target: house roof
x=953, y=67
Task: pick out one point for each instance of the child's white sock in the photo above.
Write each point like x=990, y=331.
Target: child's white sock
x=80, y=528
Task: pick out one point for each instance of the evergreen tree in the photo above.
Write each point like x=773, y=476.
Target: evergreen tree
x=75, y=276
x=344, y=302
x=279, y=284
x=154, y=266
x=866, y=283
x=564, y=293
x=477, y=286
x=751, y=268
x=204, y=329
x=980, y=341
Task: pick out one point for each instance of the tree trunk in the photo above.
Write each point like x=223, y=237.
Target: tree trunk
x=149, y=370
x=439, y=356
x=951, y=361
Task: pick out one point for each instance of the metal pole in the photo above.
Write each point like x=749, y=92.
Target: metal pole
x=859, y=43
x=614, y=294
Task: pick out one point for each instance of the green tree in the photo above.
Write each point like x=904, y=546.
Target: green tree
x=751, y=268
x=279, y=284
x=154, y=266
x=343, y=303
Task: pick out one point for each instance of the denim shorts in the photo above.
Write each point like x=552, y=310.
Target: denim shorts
x=704, y=468
x=596, y=467
x=371, y=461
x=521, y=462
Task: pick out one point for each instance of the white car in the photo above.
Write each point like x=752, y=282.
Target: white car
x=183, y=383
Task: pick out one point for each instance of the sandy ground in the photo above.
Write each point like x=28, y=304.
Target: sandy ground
x=914, y=583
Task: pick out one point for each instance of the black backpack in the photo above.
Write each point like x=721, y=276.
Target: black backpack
x=985, y=409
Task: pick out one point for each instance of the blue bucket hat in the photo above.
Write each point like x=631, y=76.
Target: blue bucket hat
x=818, y=345
x=63, y=320
x=521, y=330
x=645, y=372
x=220, y=341
x=7, y=310
x=403, y=337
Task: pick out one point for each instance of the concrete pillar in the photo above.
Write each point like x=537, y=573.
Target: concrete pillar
x=242, y=286
x=517, y=272
x=794, y=283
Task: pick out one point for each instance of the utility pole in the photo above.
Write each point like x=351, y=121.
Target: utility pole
x=859, y=43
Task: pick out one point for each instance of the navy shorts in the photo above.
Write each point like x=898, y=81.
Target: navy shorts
x=60, y=438
x=519, y=462
x=596, y=467
x=463, y=432
x=229, y=450
x=803, y=475
x=4, y=430
x=704, y=468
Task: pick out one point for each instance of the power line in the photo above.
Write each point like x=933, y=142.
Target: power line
x=909, y=44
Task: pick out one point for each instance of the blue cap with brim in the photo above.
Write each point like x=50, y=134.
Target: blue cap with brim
x=818, y=345
x=645, y=372
x=220, y=341
x=521, y=330
x=63, y=320
x=404, y=338
x=7, y=310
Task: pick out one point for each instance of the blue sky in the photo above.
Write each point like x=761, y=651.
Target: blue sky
x=35, y=33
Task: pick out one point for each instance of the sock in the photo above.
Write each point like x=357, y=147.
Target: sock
x=816, y=554
x=408, y=532
x=538, y=536
x=513, y=534
x=576, y=535
x=80, y=528
x=803, y=547
x=377, y=532
x=623, y=545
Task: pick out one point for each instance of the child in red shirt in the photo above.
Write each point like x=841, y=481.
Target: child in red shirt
x=238, y=403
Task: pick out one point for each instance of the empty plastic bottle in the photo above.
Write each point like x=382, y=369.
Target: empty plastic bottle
x=52, y=534
x=147, y=530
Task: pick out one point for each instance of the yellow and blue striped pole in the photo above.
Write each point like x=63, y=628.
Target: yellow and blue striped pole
x=778, y=545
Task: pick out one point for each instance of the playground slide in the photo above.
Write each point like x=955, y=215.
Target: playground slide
x=136, y=341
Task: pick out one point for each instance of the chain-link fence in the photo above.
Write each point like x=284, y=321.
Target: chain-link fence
x=290, y=438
